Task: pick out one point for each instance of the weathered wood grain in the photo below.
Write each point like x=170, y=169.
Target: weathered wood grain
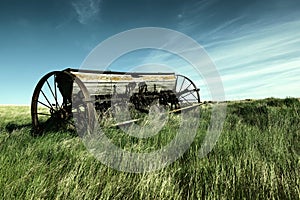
x=102, y=84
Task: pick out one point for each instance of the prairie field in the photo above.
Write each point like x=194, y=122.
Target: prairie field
x=257, y=156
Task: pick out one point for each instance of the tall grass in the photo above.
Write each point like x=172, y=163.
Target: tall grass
x=256, y=157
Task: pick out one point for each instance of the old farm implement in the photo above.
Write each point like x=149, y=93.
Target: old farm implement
x=60, y=95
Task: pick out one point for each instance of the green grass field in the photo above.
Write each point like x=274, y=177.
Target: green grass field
x=256, y=157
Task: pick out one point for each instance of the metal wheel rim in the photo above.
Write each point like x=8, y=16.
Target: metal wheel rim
x=185, y=88
x=52, y=103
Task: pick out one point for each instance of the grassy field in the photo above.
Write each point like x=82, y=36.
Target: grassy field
x=256, y=157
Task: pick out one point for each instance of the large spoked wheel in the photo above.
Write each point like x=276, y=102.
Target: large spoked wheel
x=186, y=91
x=51, y=105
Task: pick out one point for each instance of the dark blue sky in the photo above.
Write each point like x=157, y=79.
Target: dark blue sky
x=254, y=44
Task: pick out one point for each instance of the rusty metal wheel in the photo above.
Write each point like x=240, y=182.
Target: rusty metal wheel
x=186, y=91
x=51, y=105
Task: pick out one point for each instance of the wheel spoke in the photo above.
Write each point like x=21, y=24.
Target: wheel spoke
x=56, y=103
x=186, y=100
x=190, y=93
x=186, y=89
x=194, y=95
x=186, y=95
x=183, y=92
x=43, y=114
x=188, y=86
x=46, y=99
x=181, y=85
x=44, y=104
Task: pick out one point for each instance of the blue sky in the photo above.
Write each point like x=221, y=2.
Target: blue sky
x=255, y=45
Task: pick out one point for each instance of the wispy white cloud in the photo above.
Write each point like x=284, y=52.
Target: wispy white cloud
x=256, y=54
x=261, y=64
x=87, y=10
x=196, y=15
x=231, y=22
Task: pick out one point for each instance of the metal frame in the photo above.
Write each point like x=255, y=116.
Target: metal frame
x=55, y=109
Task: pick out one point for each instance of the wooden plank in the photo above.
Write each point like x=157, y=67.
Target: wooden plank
x=90, y=77
x=103, y=84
